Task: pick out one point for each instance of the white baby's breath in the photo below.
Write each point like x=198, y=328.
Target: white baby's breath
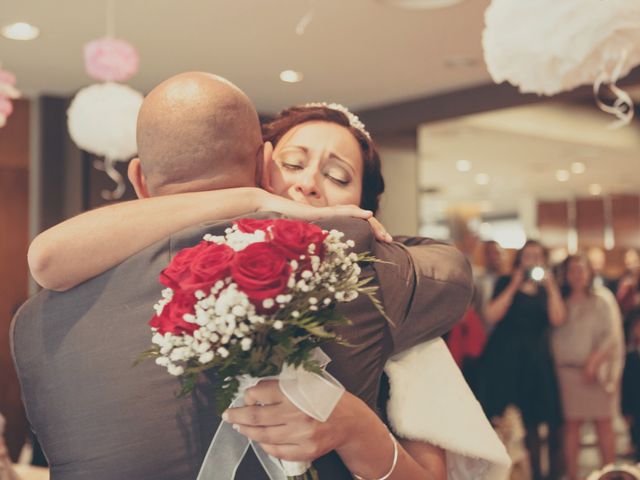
x=225, y=319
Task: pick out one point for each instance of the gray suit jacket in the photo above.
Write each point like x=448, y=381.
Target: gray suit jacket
x=99, y=418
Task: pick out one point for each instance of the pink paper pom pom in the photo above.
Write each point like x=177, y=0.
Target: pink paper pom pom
x=7, y=77
x=6, y=108
x=110, y=59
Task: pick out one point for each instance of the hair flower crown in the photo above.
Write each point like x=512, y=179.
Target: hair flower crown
x=354, y=121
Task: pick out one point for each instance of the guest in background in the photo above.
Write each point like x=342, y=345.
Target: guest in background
x=582, y=347
x=598, y=260
x=516, y=366
x=6, y=470
x=485, y=277
x=628, y=292
x=631, y=381
x=466, y=342
x=467, y=339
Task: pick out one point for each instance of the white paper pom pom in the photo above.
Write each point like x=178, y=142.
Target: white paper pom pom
x=550, y=46
x=102, y=120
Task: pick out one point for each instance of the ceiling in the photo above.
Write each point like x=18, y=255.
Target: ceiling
x=521, y=149
x=361, y=53
x=358, y=52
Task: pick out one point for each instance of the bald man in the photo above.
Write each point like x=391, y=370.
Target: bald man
x=196, y=131
x=100, y=419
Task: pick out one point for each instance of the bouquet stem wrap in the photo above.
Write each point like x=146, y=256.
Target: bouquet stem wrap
x=314, y=394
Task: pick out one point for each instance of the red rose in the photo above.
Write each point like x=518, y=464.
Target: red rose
x=250, y=225
x=179, y=267
x=208, y=266
x=293, y=237
x=170, y=320
x=261, y=271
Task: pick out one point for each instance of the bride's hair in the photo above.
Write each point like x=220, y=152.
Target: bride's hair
x=372, y=182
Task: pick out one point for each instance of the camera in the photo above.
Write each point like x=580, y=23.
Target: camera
x=536, y=274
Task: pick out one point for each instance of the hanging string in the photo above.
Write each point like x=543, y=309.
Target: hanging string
x=111, y=18
x=304, y=22
x=609, y=233
x=622, y=106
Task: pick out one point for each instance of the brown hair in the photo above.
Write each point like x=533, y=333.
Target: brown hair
x=372, y=181
x=565, y=288
x=518, y=258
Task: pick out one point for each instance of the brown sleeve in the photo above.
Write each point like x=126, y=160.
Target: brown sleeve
x=426, y=289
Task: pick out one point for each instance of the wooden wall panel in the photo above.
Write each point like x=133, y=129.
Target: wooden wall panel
x=14, y=240
x=14, y=138
x=553, y=223
x=626, y=220
x=590, y=222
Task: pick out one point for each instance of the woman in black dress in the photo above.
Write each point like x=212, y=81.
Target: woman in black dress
x=516, y=367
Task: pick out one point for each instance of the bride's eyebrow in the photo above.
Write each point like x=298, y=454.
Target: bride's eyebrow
x=297, y=147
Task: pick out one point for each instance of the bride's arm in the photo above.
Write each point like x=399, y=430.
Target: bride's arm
x=95, y=241
x=353, y=430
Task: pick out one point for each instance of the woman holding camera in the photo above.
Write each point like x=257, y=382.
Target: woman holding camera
x=516, y=367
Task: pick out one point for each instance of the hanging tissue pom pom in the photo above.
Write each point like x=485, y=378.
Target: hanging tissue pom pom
x=102, y=120
x=110, y=59
x=550, y=46
x=8, y=91
x=6, y=109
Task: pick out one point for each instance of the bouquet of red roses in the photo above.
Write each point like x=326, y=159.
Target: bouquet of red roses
x=255, y=303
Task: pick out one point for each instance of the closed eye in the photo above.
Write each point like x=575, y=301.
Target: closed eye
x=339, y=181
x=292, y=166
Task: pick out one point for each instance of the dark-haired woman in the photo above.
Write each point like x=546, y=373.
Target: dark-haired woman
x=516, y=367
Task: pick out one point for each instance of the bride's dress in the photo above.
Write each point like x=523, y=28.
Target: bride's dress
x=430, y=401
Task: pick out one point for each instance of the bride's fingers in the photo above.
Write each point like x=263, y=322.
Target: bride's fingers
x=379, y=231
x=354, y=211
x=276, y=435
x=343, y=211
x=292, y=453
x=266, y=392
x=254, y=416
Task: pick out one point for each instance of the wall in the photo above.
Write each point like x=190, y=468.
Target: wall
x=595, y=219
x=399, y=204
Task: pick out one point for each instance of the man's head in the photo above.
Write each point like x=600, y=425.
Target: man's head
x=196, y=131
x=493, y=256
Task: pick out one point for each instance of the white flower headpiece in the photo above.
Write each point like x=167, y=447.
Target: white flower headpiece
x=354, y=121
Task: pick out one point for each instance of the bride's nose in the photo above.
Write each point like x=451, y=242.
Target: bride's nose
x=307, y=185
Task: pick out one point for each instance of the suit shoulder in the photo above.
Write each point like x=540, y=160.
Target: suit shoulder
x=440, y=262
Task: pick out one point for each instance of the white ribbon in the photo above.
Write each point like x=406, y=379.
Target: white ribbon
x=316, y=395
x=622, y=106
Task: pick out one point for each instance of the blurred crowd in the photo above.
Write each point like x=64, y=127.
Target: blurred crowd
x=559, y=344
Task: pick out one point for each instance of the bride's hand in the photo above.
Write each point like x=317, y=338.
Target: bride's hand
x=285, y=431
x=353, y=430
x=273, y=203
x=379, y=231
x=269, y=202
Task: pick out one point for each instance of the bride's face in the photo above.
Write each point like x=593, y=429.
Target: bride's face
x=318, y=163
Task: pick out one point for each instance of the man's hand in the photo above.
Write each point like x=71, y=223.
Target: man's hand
x=286, y=432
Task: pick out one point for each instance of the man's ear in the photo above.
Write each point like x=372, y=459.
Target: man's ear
x=265, y=165
x=136, y=177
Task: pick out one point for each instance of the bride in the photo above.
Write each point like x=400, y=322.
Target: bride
x=322, y=157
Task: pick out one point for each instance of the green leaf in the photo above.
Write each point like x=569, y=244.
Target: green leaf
x=150, y=353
